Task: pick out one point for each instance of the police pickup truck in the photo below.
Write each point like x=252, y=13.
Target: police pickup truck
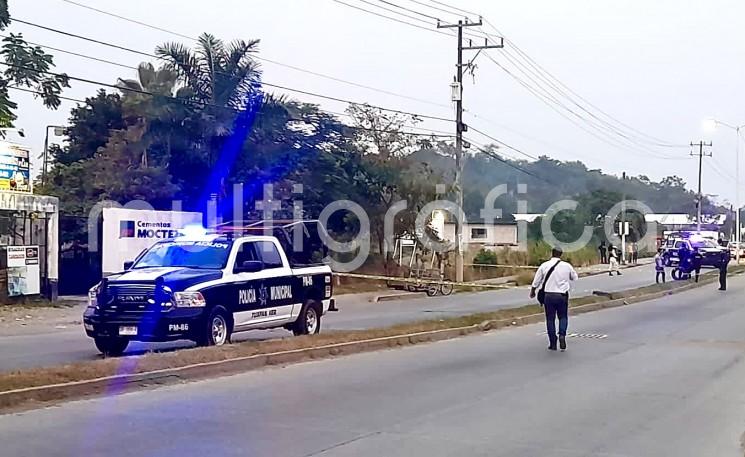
x=712, y=255
x=204, y=288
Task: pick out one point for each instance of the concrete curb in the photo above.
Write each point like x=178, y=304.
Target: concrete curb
x=401, y=296
x=34, y=396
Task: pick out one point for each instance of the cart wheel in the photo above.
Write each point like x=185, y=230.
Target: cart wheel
x=432, y=289
x=676, y=273
x=446, y=289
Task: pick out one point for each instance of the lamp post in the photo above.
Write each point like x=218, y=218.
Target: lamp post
x=711, y=125
x=58, y=131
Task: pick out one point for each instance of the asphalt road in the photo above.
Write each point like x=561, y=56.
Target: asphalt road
x=666, y=380
x=70, y=345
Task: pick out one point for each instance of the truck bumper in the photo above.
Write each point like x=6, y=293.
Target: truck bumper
x=150, y=328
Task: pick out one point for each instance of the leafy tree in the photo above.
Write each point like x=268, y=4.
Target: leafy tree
x=381, y=132
x=90, y=127
x=384, y=170
x=26, y=67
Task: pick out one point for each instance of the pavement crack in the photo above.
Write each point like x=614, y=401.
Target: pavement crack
x=343, y=443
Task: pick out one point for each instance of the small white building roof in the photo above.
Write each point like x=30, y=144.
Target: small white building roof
x=669, y=219
x=526, y=217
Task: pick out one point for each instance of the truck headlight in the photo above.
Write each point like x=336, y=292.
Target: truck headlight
x=189, y=300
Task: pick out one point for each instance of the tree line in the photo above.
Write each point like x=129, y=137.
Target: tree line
x=196, y=121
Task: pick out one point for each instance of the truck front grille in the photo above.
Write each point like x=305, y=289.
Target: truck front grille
x=131, y=298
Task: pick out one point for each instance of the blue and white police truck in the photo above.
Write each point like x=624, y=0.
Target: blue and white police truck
x=206, y=287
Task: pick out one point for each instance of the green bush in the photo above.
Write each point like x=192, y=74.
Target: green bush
x=485, y=257
x=540, y=251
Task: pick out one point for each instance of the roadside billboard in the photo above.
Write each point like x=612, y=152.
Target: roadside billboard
x=15, y=167
x=127, y=232
x=23, y=270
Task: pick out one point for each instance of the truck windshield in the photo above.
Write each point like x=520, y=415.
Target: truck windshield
x=190, y=254
x=703, y=244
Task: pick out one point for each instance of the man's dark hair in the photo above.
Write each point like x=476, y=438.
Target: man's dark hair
x=557, y=252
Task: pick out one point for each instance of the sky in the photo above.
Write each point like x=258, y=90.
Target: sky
x=661, y=67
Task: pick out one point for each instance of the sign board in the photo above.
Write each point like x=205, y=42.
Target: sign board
x=15, y=167
x=127, y=232
x=623, y=229
x=23, y=270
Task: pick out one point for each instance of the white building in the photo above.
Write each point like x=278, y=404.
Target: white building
x=477, y=235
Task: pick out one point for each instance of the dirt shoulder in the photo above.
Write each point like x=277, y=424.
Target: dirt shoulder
x=26, y=319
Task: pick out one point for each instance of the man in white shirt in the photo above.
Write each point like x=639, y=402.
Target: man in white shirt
x=553, y=282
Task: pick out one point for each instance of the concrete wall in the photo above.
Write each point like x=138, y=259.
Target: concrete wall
x=496, y=236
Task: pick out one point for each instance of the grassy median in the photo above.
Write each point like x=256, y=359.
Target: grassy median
x=186, y=357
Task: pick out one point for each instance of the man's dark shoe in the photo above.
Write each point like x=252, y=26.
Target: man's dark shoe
x=552, y=348
x=563, y=343
x=619, y=273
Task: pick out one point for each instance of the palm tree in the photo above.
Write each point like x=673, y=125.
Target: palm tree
x=223, y=78
x=149, y=101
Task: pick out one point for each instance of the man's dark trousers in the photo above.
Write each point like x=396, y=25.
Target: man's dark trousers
x=722, y=278
x=556, y=305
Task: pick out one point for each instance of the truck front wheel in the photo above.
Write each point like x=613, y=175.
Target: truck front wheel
x=111, y=346
x=217, y=330
x=309, y=321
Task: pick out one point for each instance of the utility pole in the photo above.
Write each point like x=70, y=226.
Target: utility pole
x=460, y=127
x=701, y=154
x=622, y=228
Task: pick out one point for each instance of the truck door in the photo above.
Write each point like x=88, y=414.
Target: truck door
x=264, y=298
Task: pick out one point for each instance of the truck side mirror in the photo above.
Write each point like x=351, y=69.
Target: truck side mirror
x=128, y=264
x=249, y=266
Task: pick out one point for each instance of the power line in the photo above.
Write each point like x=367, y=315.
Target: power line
x=550, y=101
x=518, y=133
x=413, y=18
x=430, y=134
x=502, y=143
x=722, y=172
x=391, y=18
x=144, y=24
x=655, y=141
x=36, y=92
x=409, y=10
x=455, y=8
x=402, y=21
x=77, y=54
x=260, y=58
x=458, y=15
x=265, y=83
x=541, y=73
x=497, y=157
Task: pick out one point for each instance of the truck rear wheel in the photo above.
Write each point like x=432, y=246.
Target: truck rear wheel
x=309, y=321
x=111, y=346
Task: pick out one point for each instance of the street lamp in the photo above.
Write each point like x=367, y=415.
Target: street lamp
x=58, y=131
x=711, y=125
